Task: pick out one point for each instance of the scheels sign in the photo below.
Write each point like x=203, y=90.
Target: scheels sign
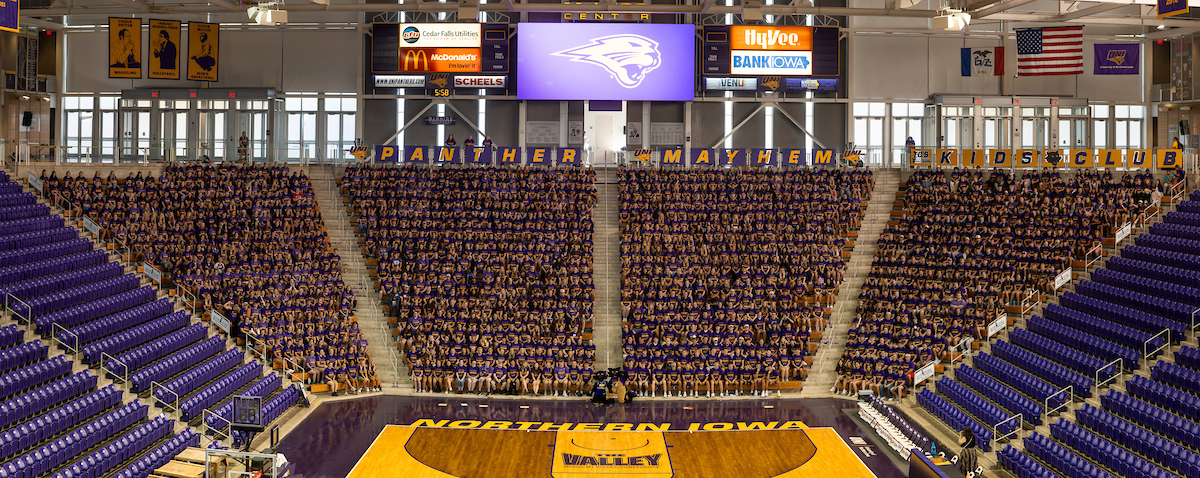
x=459, y=81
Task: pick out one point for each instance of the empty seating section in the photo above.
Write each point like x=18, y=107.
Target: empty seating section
x=1176, y=376
x=56, y=422
x=185, y=383
x=954, y=417
x=16, y=199
x=1048, y=370
x=1022, y=465
x=1023, y=381
x=246, y=241
x=1079, y=340
x=1163, y=421
x=120, y=342
x=1167, y=313
x=746, y=273
x=1073, y=359
x=1118, y=333
x=996, y=391
x=1188, y=357
x=1145, y=443
x=1100, y=450
x=1164, y=396
x=222, y=414
x=1120, y=314
x=24, y=272
x=1061, y=458
x=986, y=412
x=482, y=254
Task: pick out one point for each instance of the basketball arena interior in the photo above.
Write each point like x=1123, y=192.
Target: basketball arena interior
x=533, y=238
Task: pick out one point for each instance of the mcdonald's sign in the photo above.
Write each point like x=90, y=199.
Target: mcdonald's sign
x=434, y=60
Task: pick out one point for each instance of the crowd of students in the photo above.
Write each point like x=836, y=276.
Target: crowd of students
x=488, y=272
x=248, y=241
x=969, y=244
x=725, y=273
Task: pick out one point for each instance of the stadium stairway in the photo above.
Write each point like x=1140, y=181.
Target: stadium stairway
x=822, y=375
x=606, y=271
x=369, y=313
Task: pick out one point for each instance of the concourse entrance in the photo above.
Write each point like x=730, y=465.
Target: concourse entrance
x=191, y=125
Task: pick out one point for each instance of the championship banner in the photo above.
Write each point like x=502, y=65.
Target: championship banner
x=823, y=157
x=8, y=16
x=479, y=155
x=920, y=157
x=734, y=157
x=974, y=158
x=1081, y=158
x=1001, y=158
x=1047, y=156
x=539, y=156
x=947, y=158
x=417, y=154
x=702, y=156
x=1026, y=158
x=671, y=156
x=203, y=51
x=793, y=157
x=1110, y=158
x=164, y=47
x=569, y=156
x=1137, y=158
x=1117, y=59
x=124, y=48
x=762, y=157
x=1169, y=158
x=1168, y=8
x=507, y=155
x=388, y=154
x=447, y=154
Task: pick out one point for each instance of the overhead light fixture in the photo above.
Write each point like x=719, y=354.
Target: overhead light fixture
x=1162, y=27
x=907, y=3
x=468, y=10
x=263, y=14
x=752, y=11
x=950, y=19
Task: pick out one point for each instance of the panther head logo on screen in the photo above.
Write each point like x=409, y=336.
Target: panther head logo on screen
x=628, y=57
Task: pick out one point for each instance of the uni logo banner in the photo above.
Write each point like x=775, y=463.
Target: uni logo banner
x=388, y=154
x=417, y=155
x=642, y=155
x=447, y=154
x=734, y=157
x=921, y=157
x=974, y=158
x=1081, y=158
x=823, y=157
x=539, y=156
x=672, y=156
x=1001, y=158
x=1046, y=159
x=762, y=157
x=793, y=157
x=1138, y=158
x=1026, y=158
x=947, y=158
x=1169, y=158
x=569, y=156
x=506, y=155
x=1110, y=158
x=587, y=454
x=479, y=155
x=702, y=156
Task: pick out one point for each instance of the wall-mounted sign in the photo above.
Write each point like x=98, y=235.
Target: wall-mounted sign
x=731, y=84
x=463, y=81
x=399, y=81
x=439, y=120
x=440, y=35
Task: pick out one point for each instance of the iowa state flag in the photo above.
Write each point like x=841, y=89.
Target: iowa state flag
x=983, y=61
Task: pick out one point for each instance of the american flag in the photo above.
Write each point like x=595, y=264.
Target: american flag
x=1050, y=51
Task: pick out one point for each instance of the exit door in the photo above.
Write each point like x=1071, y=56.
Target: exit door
x=603, y=134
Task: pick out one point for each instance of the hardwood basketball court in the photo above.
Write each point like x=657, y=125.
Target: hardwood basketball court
x=419, y=452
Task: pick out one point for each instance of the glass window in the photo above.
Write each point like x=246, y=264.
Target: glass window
x=1122, y=133
x=1100, y=133
x=1064, y=111
x=877, y=109
x=1137, y=112
x=989, y=111
x=861, y=109
x=1027, y=112
x=1122, y=111
x=1100, y=111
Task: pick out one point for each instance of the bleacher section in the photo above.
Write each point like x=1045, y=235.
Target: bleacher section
x=56, y=418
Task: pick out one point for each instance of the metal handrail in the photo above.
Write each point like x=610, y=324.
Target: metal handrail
x=1026, y=303
x=996, y=436
x=105, y=371
x=1147, y=353
x=1099, y=254
x=1194, y=323
x=162, y=403
x=1116, y=376
x=1046, y=406
x=1176, y=190
x=56, y=336
x=252, y=343
x=223, y=432
x=23, y=319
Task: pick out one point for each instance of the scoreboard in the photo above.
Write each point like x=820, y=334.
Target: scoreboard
x=440, y=57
